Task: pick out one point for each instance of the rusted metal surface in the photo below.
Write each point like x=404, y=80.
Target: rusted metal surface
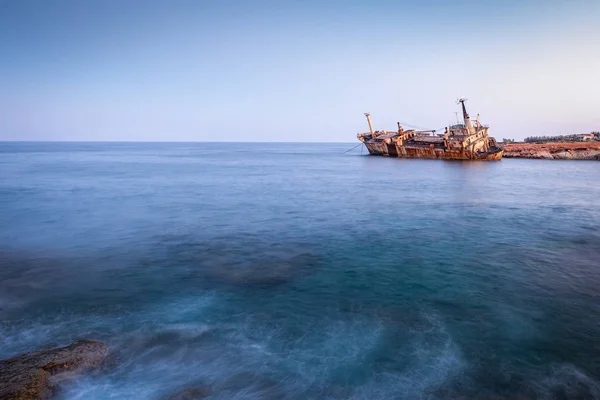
x=467, y=141
x=379, y=149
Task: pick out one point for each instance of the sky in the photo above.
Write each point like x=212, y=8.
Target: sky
x=294, y=71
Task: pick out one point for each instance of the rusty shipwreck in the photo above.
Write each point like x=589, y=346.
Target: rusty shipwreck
x=466, y=141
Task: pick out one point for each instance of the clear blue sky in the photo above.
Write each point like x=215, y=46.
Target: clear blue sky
x=224, y=70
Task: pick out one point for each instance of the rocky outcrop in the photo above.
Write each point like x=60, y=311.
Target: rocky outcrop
x=36, y=375
x=554, y=151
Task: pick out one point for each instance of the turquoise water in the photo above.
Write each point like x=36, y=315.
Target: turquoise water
x=293, y=271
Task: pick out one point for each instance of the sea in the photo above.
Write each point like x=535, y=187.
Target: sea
x=302, y=271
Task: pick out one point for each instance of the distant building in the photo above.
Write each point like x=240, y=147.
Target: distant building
x=585, y=137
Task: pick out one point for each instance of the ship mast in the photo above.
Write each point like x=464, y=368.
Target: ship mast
x=370, y=125
x=466, y=118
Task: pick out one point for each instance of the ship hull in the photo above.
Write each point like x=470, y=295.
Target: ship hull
x=389, y=150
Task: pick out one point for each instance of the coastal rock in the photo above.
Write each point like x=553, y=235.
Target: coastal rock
x=563, y=155
x=37, y=374
x=554, y=151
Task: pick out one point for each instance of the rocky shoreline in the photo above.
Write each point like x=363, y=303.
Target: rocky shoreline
x=39, y=374
x=554, y=151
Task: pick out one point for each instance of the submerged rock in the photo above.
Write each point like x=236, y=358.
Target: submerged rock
x=247, y=261
x=239, y=385
x=36, y=375
x=269, y=271
x=195, y=393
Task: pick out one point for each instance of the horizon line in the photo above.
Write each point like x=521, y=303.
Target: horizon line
x=156, y=141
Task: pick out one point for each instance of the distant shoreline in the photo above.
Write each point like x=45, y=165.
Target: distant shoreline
x=554, y=150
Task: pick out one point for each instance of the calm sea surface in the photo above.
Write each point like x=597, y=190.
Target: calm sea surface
x=293, y=271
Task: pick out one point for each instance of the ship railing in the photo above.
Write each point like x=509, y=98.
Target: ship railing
x=380, y=132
